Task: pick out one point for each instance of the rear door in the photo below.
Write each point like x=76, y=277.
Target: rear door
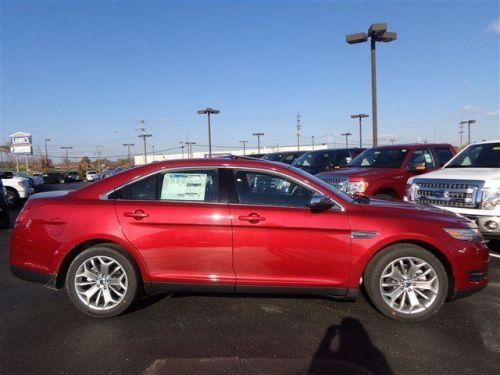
x=177, y=223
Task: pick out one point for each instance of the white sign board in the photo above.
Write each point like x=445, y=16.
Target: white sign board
x=21, y=143
x=184, y=186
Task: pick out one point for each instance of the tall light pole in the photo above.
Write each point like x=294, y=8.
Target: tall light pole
x=299, y=126
x=258, y=135
x=377, y=33
x=244, y=146
x=361, y=116
x=190, y=148
x=66, y=148
x=468, y=130
x=312, y=139
x=208, y=112
x=46, y=153
x=144, y=135
x=128, y=145
x=346, y=135
x=392, y=140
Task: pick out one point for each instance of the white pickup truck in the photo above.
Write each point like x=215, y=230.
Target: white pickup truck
x=469, y=184
x=17, y=188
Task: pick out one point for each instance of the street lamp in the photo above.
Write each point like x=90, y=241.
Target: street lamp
x=258, y=135
x=360, y=116
x=377, y=33
x=208, y=112
x=346, y=135
x=182, y=148
x=46, y=153
x=462, y=123
x=392, y=140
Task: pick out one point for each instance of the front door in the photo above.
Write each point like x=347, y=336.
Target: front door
x=279, y=242
x=175, y=221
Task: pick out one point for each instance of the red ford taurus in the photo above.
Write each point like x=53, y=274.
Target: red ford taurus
x=240, y=225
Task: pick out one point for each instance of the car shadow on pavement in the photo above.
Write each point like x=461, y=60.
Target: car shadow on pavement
x=347, y=349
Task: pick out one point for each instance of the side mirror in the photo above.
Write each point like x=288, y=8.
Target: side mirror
x=416, y=167
x=6, y=175
x=320, y=203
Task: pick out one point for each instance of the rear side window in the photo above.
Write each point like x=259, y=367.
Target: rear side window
x=443, y=154
x=189, y=186
x=422, y=156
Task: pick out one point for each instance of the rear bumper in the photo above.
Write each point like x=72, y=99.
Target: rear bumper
x=45, y=279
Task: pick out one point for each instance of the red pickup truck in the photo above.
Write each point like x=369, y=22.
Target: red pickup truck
x=384, y=171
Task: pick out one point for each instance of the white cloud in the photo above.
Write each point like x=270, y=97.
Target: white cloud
x=493, y=113
x=471, y=109
x=494, y=26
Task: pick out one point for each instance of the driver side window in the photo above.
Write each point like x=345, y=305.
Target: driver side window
x=265, y=189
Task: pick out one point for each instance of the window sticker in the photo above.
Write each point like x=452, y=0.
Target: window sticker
x=428, y=158
x=184, y=186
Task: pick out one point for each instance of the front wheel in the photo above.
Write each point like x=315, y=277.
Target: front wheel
x=406, y=282
x=102, y=282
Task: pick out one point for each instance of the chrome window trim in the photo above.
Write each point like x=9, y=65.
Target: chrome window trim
x=104, y=196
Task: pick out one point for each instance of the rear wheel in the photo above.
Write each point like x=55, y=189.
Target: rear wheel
x=406, y=282
x=12, y=198
x=102, y=281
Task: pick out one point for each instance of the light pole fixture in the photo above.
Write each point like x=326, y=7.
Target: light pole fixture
x=468, y=129
x=208, y=112
x=361, y=116
x=244, y=146
x=346, y=135
x=128, y=145
x=66, y=148
x=377, y=33
x=258, y=135
x=46, y=153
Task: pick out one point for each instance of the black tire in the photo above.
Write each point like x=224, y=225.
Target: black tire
x=13, y=199
x=108, y=252
x=373, y=275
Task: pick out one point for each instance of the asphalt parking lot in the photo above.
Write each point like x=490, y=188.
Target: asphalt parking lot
x=41, y=332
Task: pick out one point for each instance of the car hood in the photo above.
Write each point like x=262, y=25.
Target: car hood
x=482, y=174
x=360, y=172
x=413, y=210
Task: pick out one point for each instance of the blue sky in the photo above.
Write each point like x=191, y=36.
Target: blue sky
x=83, y=73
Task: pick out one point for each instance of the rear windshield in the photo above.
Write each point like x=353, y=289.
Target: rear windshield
x=380, y=158
x=478, y=156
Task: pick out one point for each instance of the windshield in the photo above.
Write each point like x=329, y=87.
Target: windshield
x=323, y=184
x=272, y=157
x=477, y=156
x=313, y=159
x=380, y=158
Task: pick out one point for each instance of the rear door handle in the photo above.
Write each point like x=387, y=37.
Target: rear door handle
x=252, y=218
x=137, y=214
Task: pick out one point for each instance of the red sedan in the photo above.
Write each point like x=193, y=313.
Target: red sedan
x=240, y=225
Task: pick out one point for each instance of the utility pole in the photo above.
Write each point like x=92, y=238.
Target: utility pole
x=468, y=130
x=346, y=135
x=190, y=149
x=46, y=153
x=360, y=116
x=258, y=135
x=66, y=148
x=461, y=132
x=144, y=135
x=182, y=148
x=244, y=146
x=299, y=126
x=98, y=152
x=153, y=147
x=128, y=145
x=312, y=142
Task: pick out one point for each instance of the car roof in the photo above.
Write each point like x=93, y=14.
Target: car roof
x=413, y=145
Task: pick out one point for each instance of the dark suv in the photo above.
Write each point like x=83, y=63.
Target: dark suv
x=287, y=157
x=54, y=177
x=384, y=171
x=318, y=161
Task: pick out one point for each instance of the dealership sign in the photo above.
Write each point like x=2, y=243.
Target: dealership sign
x=20, y=143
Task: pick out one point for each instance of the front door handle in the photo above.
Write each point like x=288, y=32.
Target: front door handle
x=252, y=218
x=137, y=214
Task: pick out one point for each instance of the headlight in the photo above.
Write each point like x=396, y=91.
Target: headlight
x=491, y=197
x=411, y=192
x=464, y=234
x=356, y=187
x=23, y=183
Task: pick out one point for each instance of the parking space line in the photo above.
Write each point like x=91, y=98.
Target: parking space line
x=495, y=255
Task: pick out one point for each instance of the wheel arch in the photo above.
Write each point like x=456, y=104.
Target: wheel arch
x=429, y=247
x=387, y=190
x=81, y=247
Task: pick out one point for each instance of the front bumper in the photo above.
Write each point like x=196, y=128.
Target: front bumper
x=484, y=224
x=47, y=280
